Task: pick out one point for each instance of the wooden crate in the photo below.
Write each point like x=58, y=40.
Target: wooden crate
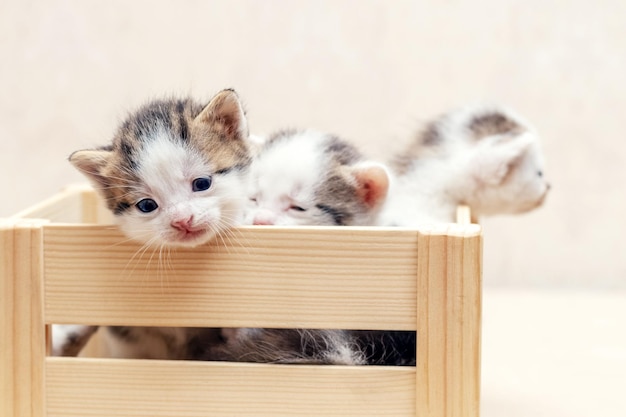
x=62, y=262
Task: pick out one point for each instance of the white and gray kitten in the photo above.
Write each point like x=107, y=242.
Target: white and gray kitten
x=297, y=178
x=486, y=157
x=173, y=176
x=305, y=177
x=312, y=178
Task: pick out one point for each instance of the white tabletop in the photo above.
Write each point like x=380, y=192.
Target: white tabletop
x=553, y=353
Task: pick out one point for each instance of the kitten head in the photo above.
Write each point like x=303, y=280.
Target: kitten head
x=487, y=157
x=507, y=174
x=174, y=174
x=312, y=178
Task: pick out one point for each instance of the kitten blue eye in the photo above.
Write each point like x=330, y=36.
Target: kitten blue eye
x=297, y=208
x=201, y=184
x=147, y=205
x=540, y=173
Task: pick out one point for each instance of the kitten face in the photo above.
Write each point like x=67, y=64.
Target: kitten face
x=175, y=172
x=484, y=156
x=311, y=178
x=509, y=176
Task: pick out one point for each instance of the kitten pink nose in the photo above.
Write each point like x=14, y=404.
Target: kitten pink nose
x=184, y=225
x=263, y=221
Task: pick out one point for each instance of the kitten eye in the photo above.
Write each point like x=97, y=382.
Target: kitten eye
x=297, y=208
x=540, y=173
x=147, y=205
x=201, y=184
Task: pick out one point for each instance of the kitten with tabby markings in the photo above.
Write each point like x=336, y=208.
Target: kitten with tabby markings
x=313, y=178
x=175, y=170
x=297, y=178
x=486, y=157
x=174, y=176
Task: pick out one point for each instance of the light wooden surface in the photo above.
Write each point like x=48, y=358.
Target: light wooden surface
x=77, y=203
x=22, y=332
x=553, y=353
x=165, y=388
x=448, y=322
x=427, y=280
x=344, y=278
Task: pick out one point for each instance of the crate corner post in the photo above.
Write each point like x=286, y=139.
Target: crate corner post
x=449, y=299
x=22, y=326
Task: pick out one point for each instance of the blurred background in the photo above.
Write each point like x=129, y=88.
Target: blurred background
x=371, y=72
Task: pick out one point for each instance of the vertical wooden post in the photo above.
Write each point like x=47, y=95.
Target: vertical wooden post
x=22, y=330
x=449, y=291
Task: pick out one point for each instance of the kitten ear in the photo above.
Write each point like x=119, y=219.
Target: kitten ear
x=91, y=162
x=372, y=181
x=225, y=114
x=494, y=161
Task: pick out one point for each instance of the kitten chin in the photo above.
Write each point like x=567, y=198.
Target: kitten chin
x=175, y=172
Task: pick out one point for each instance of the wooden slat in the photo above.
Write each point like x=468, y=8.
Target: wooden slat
x=22, y=333
x=449, y=294
x=75, y=204
x=66, y=206
x=93, y=208
x=108, y=387
x=311, y=277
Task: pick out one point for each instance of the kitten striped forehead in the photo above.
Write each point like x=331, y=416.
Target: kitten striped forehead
x=172, y=117
x=166, y=162
x=297, y=152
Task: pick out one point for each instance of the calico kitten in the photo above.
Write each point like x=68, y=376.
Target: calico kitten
x=306, y=178
x=175, y=171
x=173, y=176
x=486, y=157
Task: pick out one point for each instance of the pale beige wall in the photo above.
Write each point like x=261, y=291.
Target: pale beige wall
x=367, y=70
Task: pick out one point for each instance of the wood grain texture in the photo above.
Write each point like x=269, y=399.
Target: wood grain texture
x=449, y=294
x=63, y=207
x=427, y=280
x=22, y=330
x=77, y=203
x=310, y=277
x=108, y=387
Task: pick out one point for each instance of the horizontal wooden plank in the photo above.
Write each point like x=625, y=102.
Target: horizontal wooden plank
x=66, y=206
x=117, y=387
x=309, y=277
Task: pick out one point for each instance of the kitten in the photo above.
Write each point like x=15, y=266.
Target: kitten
x=280, y=346
x=313, y=178
x=485, y=157
x=175, y=170
x=173, y=176
x=306, y=178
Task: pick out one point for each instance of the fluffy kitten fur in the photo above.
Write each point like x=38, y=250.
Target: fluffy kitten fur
x=313, y=178
x=174, y=175
x=175, y=170
x=297, y=178
x=486, y=157
x=282, y=346
x=306, y=178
